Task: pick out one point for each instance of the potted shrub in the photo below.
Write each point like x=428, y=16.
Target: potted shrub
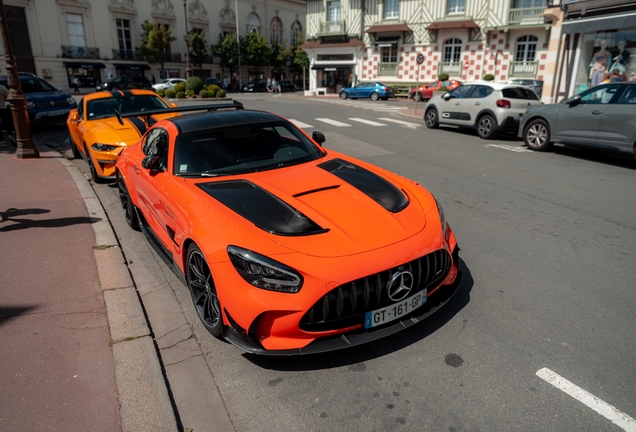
x=489, y=77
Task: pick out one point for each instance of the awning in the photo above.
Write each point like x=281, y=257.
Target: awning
x=440, y=25
x=599, y=23
x=332, y=44
x=387, y=40
x=332, y=67
x=84, y=65
x=389, y=28
x=131, y=66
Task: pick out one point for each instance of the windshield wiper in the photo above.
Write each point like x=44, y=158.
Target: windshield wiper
x=211, y=174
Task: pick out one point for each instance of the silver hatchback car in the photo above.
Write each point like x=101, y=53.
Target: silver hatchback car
x=482, y=105
x=603, y=118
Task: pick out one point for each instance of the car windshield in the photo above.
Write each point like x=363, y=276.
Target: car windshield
x=32, y=85
x=242, y=149
x=105, y=107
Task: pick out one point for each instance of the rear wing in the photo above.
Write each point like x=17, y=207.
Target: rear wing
x=149, y=113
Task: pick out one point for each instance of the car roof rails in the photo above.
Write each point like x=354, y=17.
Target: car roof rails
x=149, y=113
x=27, y=74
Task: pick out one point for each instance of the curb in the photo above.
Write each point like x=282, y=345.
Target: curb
x=144, y=401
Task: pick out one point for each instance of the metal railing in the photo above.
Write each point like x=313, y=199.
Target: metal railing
x=333, y=28
x=526, y=16
x=387, y=69
x=79, y=52
x=451, y=68
x=523, y=69
x=121, y=54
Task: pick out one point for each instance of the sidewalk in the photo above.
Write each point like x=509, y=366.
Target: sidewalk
x=76, y=353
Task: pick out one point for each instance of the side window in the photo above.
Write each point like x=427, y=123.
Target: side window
x=480, y=91
x=80, y=108
x=629, y=95
x=600, y=95
x=460, y=92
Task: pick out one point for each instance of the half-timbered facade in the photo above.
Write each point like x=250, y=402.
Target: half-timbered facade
x=351, y=40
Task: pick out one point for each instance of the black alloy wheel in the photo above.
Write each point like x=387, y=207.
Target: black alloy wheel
x=486, y=127
x=430, y=118
x=343, y=95
x=204, y=295
x=536, y=135
x=74, y=151
x=375, y=96
x=130, y=213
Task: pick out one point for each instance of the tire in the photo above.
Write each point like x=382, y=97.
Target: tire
x=130, y=213
x=418, y=97
x=91, y=166
x=74, y=150
x=203, y=292
x=343, y=95
x=536, y=135
x=431, y=119
x=486, y=127
x=375, y=96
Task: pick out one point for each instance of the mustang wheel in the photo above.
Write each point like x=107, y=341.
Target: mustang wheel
x=126, y=204
x=430, y=118
x=537, y=135
x=204, y=296
x=375, y=96
x=343, y=95
x=486, y=127
x=91, y=167
x=74, y=150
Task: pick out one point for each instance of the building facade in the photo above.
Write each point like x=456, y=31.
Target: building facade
x=354, y=40
x=96, y=40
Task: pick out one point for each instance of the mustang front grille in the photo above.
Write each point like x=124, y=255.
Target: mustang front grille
x=346, y=305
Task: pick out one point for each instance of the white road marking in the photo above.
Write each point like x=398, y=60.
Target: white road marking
x=402, y=122
x=617, y=417
x=511, y=148
x=369, y=122
x=333, y=122
x=300, y=124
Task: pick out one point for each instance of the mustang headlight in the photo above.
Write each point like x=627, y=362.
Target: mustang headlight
x=103, y=147
x=263, y=272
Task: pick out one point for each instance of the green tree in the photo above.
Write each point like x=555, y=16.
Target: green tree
x=226, y=50
x=155, y=42
x=279, y=55
x=257, y=50
x=198, y=49
x=300, y=57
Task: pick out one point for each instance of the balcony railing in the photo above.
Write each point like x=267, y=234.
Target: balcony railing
x=451, y=68
x=523, y=69
x=121, y=54
x=525, y=16
x=79, y=52
x=332, y=28
x=387, y=69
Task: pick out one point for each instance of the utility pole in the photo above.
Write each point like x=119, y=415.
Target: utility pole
x=26, y=148
x=238, y=43
x=187, y=38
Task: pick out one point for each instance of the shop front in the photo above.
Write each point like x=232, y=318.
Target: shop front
x=87, y=74
x=123, y=69
x=334, y=64
x=333, y=78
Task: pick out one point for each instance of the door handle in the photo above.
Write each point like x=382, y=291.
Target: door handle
x=597, y=112
x=477, y=103
x=456, y=103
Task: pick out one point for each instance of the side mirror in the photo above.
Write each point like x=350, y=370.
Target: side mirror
x=75, y=117
x=319, y=137
x=150, y=161
x=573, y=101
x=59, y=89
x=446, y=96
x=173, y=105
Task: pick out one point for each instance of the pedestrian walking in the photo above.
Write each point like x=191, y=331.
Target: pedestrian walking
x=5, y=115
x=153, y=81
x=225, y=83
x=76, y=84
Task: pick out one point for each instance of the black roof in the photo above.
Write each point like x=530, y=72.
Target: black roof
x=213, y=119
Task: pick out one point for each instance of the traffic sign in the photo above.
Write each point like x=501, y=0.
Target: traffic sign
x=420, y=59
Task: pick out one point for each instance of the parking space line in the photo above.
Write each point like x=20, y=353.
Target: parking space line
x=300, y=124
x=515, y=149
x=617, y=417
x=369, y=122
x=333, y=122
x=402, y=122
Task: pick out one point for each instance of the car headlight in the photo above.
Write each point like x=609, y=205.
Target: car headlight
x=103, y=147
x=263, y=272
x=442, y=217
x=30, y=104
x=70, y=100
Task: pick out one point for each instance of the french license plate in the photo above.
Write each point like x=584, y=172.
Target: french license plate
x=394, y=311
x=55, y=113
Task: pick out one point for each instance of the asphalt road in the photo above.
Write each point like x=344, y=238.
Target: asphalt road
x=548, y=242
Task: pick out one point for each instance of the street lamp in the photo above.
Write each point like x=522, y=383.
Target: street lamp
x=26, y=149
x=187, y=38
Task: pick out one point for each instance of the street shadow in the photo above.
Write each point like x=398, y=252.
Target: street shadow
x=359, y=354
x=501, y=136
x=8, y=148
x=616, y=160
x=7, y=313
x=14, y=215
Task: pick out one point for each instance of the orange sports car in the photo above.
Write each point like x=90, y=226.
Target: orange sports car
x=425, y=92
x=95, y=133
x=286, y=247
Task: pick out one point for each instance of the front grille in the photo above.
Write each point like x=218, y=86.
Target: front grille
x=346, y=305
x=49, y=104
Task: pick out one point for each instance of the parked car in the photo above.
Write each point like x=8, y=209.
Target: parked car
x=373, y=90
x=425, y=92
x=45, y=103
x=313, y=273
x=485, y=106
x=168, y=84
x=600, y=118
x=209, y=81
x=98, y=137
x=288, y=86
x=126, y=82
x=256, y=85
x=536, y=85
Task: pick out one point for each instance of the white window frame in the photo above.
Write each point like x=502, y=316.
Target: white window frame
x=76, y=33
x=456, y=7
x=391, y=9
x=333, y=12
x=526, y=49
x=452, y=50
x=296, y=30
x=276, y=30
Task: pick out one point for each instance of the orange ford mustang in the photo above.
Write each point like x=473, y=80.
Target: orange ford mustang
x=98, y=137
x=286, y=247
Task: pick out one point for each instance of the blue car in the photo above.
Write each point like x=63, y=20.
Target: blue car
x=45, y=103
x=373, y=90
